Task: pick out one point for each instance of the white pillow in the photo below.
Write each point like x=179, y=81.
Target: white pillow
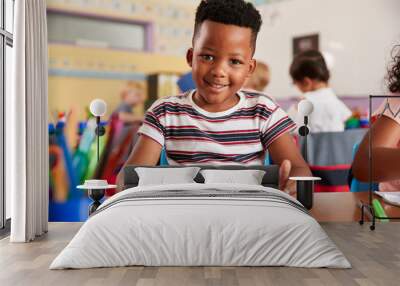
x=166, y=176
x=247, y=177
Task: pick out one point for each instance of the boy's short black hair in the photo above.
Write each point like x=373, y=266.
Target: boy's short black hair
x=309, y=64
x=231, y=12
x=394, y=71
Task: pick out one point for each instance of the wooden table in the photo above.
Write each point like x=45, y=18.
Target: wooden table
x=343, y=207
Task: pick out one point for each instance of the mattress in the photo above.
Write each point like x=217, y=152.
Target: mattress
x=201, y=225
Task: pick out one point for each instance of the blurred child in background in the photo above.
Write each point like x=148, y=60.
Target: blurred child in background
x=311, y=76
x=385, y=138
x=260, y=79
x=131, y=96
x=125, y=121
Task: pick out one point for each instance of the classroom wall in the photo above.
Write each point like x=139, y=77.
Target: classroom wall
x=172, y=20
x=78, y=74
x=359, y=34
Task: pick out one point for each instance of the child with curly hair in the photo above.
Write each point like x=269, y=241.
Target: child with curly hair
x=385, y=138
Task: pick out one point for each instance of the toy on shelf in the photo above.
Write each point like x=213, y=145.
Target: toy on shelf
x=358, y=119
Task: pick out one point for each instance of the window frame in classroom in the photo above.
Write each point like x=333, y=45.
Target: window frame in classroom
x=62, y=29
x=6, y=45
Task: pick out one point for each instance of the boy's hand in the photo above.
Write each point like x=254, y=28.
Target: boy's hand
x=284, y=172
x=120, y=181
x=284, y=151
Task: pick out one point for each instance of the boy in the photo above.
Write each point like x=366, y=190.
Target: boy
x=217, y=123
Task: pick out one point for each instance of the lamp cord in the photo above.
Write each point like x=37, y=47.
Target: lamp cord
x=98, y=138
x=98, y=147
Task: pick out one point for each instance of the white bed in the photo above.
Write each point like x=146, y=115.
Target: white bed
x=203, y=225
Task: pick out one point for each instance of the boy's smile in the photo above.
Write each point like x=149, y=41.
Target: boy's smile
x=221, y=61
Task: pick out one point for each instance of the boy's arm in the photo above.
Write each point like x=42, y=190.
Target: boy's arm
x=145, y=153
x=385, y=152
x=285, y=153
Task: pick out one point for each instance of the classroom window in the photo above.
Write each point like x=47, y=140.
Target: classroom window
x=6, y=60
x=9, y=15
x=96, y=32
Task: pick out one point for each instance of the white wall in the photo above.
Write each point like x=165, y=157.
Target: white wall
x=358, y=33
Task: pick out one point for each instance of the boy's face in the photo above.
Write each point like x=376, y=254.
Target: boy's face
x=221, y=61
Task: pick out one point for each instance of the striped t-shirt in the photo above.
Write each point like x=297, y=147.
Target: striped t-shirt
x=239, y=135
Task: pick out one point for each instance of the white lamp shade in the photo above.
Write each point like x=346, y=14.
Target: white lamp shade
x=98, y=107
x=305, y=107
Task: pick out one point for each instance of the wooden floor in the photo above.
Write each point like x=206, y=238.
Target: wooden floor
x=375, y=257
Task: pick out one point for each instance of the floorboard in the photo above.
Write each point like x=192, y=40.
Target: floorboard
x=374, y=255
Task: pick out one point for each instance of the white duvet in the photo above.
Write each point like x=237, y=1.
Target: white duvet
x=222, y=225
